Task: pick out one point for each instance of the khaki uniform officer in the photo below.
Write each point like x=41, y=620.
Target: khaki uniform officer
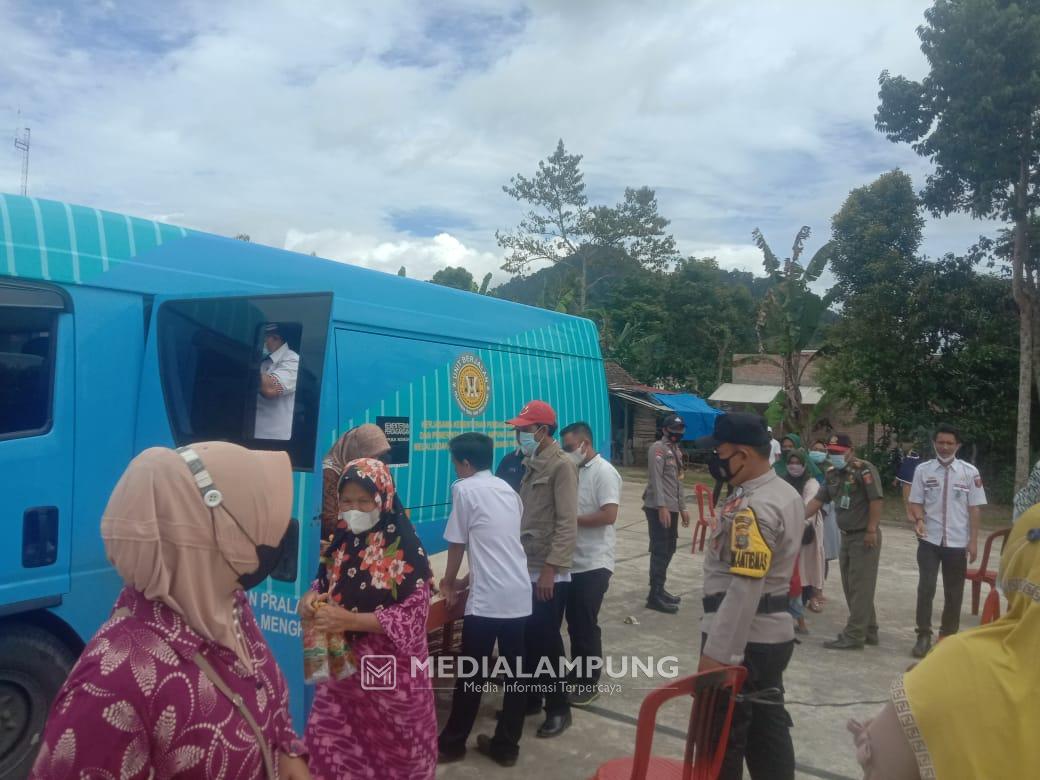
x=854, y=486
x=664, y=503
x=747, y=573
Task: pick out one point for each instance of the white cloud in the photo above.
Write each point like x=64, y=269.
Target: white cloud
x=321, y=123
x=421, y=257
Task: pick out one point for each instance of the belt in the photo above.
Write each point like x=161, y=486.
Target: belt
x=854, y=531
x=768, y=604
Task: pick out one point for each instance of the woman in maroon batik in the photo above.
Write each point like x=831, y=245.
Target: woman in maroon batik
x=375, y=582
x=179, y=682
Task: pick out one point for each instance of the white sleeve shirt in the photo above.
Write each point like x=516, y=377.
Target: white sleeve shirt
x=599, y=484
x=947, y=492
x=485, y=516
x=274, y=416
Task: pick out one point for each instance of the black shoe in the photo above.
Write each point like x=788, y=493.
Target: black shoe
x=584, y=695
x=656, y=602
x=669, y=598
x=924, y=644
x=873, y=640
x=450, y=756
x=534, y=707
x=554, y=725
x=485, y=747
x=843, y=643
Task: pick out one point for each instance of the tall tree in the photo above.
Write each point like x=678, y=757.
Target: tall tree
x=875, y=237
x=790, y=319
x=457, y=277
x=976, y=116
x=561, y=227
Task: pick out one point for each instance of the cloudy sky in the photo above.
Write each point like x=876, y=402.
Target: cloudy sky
x=382, y=132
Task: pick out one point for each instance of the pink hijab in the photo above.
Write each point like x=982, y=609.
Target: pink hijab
x=167, y=544
x=365, y=441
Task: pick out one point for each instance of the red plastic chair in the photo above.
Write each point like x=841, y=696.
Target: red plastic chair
x=700, y=531
x=984, y=574
x=714, y=696
x=991, y=609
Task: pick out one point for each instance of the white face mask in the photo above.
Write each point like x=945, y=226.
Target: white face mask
x=795, y=470
x=359, y=522
x=577, y=456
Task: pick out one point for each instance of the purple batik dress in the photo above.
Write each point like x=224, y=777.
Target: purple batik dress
x=137, y=706
x=386, y=734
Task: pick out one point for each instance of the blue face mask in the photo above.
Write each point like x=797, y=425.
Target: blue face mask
x=528, y=443
x=837, y=460
x=817, y=457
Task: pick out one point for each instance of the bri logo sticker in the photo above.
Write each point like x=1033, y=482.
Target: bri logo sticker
x=470, y=384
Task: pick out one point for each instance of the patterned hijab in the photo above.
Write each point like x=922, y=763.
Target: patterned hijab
x=365, y=441
x=383, y=566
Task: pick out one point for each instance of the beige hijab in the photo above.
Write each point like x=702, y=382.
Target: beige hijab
x=167, y=544
x=365, y=441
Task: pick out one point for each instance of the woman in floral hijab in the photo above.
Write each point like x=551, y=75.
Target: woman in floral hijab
x=373, y=587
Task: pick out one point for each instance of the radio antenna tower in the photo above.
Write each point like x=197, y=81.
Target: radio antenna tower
x=21, y=143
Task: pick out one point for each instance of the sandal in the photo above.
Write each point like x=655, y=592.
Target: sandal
x=815, y=605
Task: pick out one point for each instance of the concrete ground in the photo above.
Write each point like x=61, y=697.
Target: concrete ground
x=817, y=679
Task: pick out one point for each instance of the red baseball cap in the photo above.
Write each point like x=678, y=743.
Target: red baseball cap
x=534, y=413
x=839, y=443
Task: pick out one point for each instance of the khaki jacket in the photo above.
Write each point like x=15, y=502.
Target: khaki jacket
x=549, y=492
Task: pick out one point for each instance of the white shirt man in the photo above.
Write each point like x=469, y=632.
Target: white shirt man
x=485, y=516
x=277, y=397
x=945, y=497
x=485, y=525
x=599, y=496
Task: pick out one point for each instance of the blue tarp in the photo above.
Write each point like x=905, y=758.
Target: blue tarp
x=699, y=417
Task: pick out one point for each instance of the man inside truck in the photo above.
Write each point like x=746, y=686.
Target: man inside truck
x=277, y=397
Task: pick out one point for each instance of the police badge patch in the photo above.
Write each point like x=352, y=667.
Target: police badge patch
x=751, y=555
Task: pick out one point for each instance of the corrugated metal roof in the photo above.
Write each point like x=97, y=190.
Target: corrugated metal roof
x=733, y=393
x=635, y=399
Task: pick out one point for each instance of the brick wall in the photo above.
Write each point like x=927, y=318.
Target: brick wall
x=763, y=373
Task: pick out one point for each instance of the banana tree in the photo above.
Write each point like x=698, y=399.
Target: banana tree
x=789, y=318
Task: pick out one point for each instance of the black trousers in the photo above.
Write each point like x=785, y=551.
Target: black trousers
x=479, y=635
x=542, y=639
x=954, y=564
x=761, y=732
x=662, y=547
x=584, y=598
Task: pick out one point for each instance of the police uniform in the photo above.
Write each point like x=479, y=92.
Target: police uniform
x=852, y=490
x=664, y=488
x=751, y=554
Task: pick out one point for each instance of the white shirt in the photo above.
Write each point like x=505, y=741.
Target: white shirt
x=946, y=493
x=485, y=516
x=274, y=416
x=775, y=451
x=599, y=484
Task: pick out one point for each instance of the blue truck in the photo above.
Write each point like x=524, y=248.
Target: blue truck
x=119, y=333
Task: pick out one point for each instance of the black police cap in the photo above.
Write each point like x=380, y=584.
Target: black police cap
x=672, y=421
x=736, y=428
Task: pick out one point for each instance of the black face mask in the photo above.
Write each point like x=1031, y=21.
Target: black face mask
x=278, y=563
x=674, y=436
x=719, y=467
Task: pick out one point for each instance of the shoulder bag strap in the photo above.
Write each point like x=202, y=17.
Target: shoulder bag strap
x=235, y=699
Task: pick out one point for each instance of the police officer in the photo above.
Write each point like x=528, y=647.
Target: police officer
x=854, y=486
x=664, y=503
x=747, y=573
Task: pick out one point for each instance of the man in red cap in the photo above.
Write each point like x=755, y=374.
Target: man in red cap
x=854, y=486
x=548, y=531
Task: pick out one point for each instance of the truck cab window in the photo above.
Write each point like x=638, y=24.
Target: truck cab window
x=26, y=370
x=246, y=370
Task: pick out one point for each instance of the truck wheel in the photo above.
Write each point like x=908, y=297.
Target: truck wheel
x=33, y=666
